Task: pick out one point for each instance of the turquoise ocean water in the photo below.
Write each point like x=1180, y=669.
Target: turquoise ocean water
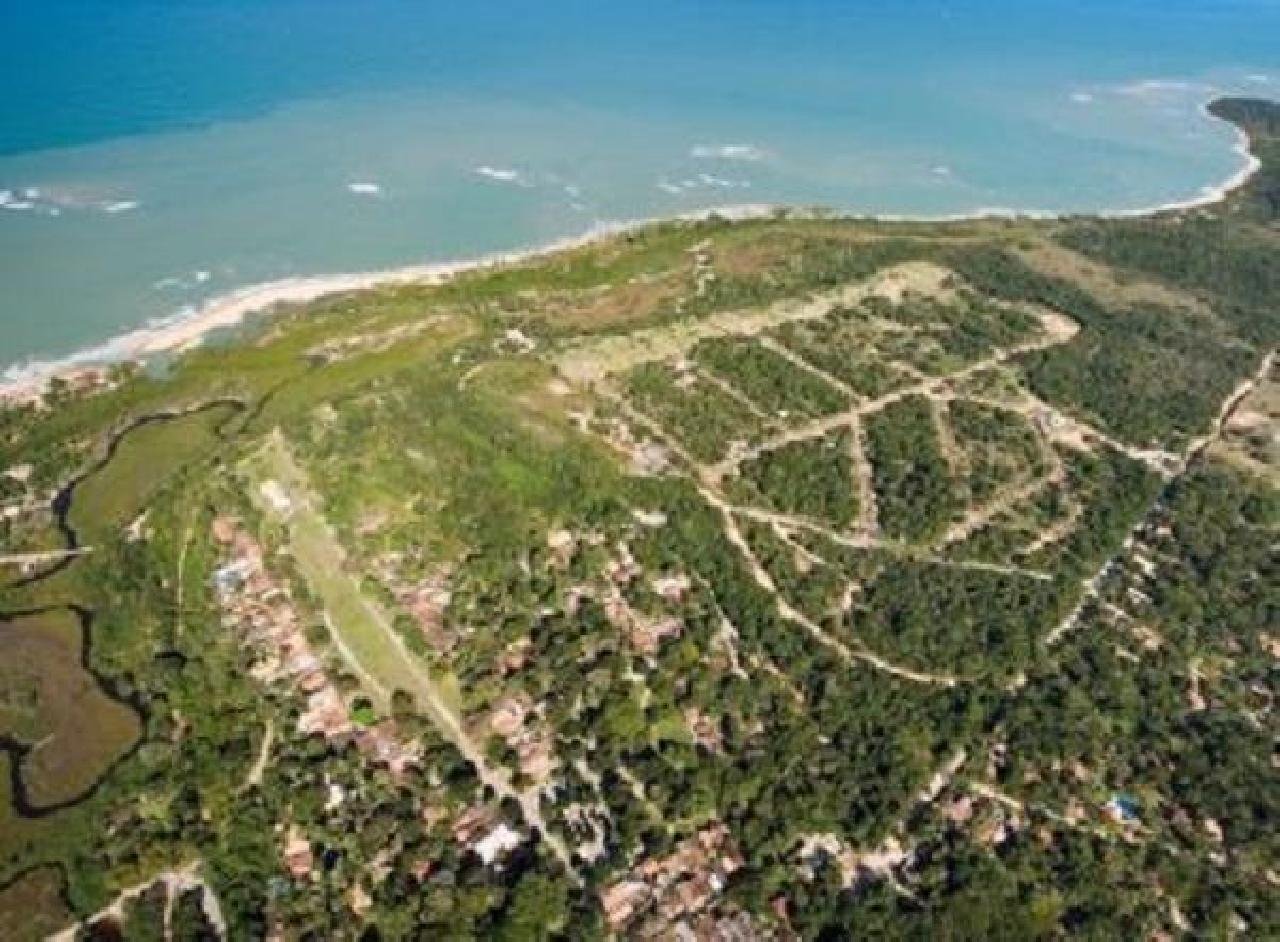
x=157, y=153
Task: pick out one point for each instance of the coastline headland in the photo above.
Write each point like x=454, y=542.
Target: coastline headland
x=26, y=382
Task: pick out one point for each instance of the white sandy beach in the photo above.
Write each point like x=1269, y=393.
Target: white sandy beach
x=28, y=381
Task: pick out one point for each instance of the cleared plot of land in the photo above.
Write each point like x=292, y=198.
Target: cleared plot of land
x=51, y=704
x=1251, y=435
x=942, y=338
x=769, y=379
x=914, y=493
x=594, y=358
x=32, y=907
x=812, y=478
x=702, y=416
x=999, y=447
x=143, y=458
x=843, y=345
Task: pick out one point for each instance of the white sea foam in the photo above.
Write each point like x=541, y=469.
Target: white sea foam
x=120, y=206
x=503, y=175
x=1258, y=78
x=365, y=189
x=940, y=170
x=17, y=206
x=1157, y=87
x=1082, y=98
x=666, y=186
x=182, y=283
x=729, y=152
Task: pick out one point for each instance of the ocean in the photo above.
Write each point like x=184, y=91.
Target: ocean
x=156, y=154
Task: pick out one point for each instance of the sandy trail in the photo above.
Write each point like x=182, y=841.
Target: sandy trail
x=1180, y=467
x=790, y=613
x=46, y=556
x=1053, y=335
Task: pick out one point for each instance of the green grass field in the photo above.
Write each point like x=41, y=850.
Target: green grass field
x=113, y=495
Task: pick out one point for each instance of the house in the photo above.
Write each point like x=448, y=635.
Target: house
x=622, y=901
x=649, y=518
x=647, y=636
x=1213, y=829
x=705, y=729
x=224, y=530
x=298, y=859
x=649, y=458
x=671, y=588
x=468, y=825
x=276, y=497
x=508, y=717
x=497, y=843
x=228, y=578
x=562, y=545
x=515, y=657
x=359, y=900
x=960, y=810
x=1122, y=809
x=536, y=757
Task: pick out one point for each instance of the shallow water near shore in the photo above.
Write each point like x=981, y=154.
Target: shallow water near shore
x=154, y=158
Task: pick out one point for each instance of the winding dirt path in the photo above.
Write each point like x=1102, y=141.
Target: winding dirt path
x=176, y=882
x=790, y=613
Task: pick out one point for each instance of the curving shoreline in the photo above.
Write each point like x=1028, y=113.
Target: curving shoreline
x=26, y=382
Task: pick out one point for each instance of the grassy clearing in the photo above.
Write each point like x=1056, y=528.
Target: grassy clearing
x=145, y=457
x=50, y=703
